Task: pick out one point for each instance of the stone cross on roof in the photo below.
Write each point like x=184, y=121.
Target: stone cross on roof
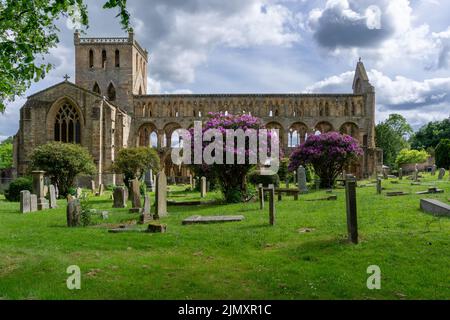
x=66, y=77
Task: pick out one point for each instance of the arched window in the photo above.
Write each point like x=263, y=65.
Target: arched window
x=103, y=59
x=153, y=140
x=91, y=59
x=117, y=59
x=111, y=92
x=67, y=125
x=96, y=88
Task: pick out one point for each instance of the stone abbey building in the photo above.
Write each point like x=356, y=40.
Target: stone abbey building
x=108, y=108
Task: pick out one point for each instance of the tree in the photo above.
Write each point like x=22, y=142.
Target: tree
x=391, y=136
x=134, y=162
x=62, y=162
x=407, y=156
x=28, y=31
x=429, y=136
x=6, y=154
x=442, y=153
x=328, y=153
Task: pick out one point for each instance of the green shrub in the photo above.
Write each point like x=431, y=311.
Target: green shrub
x=13, y=192
x=442, y=153
x=255, y=178
x=411, y=157
x=86, y=215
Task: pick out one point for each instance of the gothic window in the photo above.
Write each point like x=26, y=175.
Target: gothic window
x=96, y=89
x=67, y=125
x=117, y=59
x=91, y=58
x=104, y=59
x=111, y=92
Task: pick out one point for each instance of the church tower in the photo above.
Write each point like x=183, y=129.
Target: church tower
x=115, y=68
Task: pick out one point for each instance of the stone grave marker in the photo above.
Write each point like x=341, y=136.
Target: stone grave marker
x=211, y=219
x=272, y=205
x=33, y=203
x=161, y=195
x=203, y=187
x=441, y=174
x=433, y=170
x=52, y=202
x=136, y=204
x=379, y=187
x=73, y=213
x=120, y=199
x=93, y=186
x=400, y=174
x=25, y=201
x=301, y=178
x=435, y=207
x=352, y=220
x=145, y=214
x=38, y=189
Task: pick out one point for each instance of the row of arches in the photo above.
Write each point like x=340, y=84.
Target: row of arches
x=351, y=107
x=110, y=91
x=296, y=134
x=104, y=58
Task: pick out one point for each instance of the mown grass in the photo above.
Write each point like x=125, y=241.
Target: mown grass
x=245, y=260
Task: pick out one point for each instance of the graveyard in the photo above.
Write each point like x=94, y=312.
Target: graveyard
x=295, y=247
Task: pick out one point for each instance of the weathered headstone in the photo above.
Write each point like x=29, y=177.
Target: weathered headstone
x=73, y=212
x=301, y=178
x=385, y=174
x=416, y=175
x=203, y=187
x=435, y=207
x=52, y=202
x=161, y=195
x=78, y=193
x=136, y=203
x=400, y=174
x=156, y=228
x=105, y=215
x=38, y=189
x=261, y=196
x=120, y=199
x=33, y=203
x=145, y=214
x=379, y=187
x=25, y=201
x=194, y=183
x=433, y=170
x=272, y=205
x=441, y=174
x=352, y=221
x=93, y=186
x=45, y=190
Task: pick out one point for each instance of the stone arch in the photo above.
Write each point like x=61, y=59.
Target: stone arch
x=111, y=92
x=323, y=127
x=168, y=132
x=279, y=126
x=96, y=88
x=297, y=134
x=65, y=121
x=351, y=129
x=144, y=135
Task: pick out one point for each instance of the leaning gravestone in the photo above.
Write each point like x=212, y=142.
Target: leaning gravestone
x=145, y=214
x=441, y=174
x=135, y=196
x=120, y=200
x=161, y=195
x=25, y=201
x=73, y=212
x=203, y=187
x=52, y=201
x=33, y=203
x=433, y=170
x=38, y=189
x=301, y=178
x=400, y=174
x=379, y=187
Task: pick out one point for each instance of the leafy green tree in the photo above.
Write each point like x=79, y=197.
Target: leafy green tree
x=407, y=156
x=28, y=31
x=62, y=162
x=442, y=154
x=431, y=134
x=6, y=154
x=391, y=136
x=134, y=162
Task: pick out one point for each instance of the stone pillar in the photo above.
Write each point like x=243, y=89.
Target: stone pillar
x=161, y=195
x=352, y=222
x=272, y=205
x=38, y=189
x=136, y=204
x=379, y=188
x=25, y=201
x=400, y=174
x=203, y=187
x=261, y=196
x=301, y=178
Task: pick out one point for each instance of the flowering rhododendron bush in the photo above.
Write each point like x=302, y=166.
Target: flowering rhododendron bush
x=232, y=177
x=328, y=153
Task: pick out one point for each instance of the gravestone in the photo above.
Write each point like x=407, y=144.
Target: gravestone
x=156, y=228
x=194, y=183
x=145, y=214
x=78, y=193
x=203, y=187
x=33, y=203
x=161, y=195
x=25, y=201
x=441, y=174
x=295, y=177
x=38, y=189
x=385, y=174
x=400, y=174
x=120, y=199
x=352, y=221
x=301, y=178
x=105, y=215
x=136, y=204
x=45, y=190
x=435, y=207
x=73, y=212
x=379, y=187
x=208, y=186
x=433, y=170
x=287, y=183
x=211, y=219
x=101, y=190
x=261, y=196
x=272, y=205
x=191, y=181
x=93, y=186
x=52, y=201
x=416, y=175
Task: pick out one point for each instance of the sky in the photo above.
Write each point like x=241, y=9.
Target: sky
x=280, y=46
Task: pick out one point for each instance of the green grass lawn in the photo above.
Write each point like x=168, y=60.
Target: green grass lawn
x=244, y=260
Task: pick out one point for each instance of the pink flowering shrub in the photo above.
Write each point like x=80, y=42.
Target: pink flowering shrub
x=231, y=177
x=328, y=153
